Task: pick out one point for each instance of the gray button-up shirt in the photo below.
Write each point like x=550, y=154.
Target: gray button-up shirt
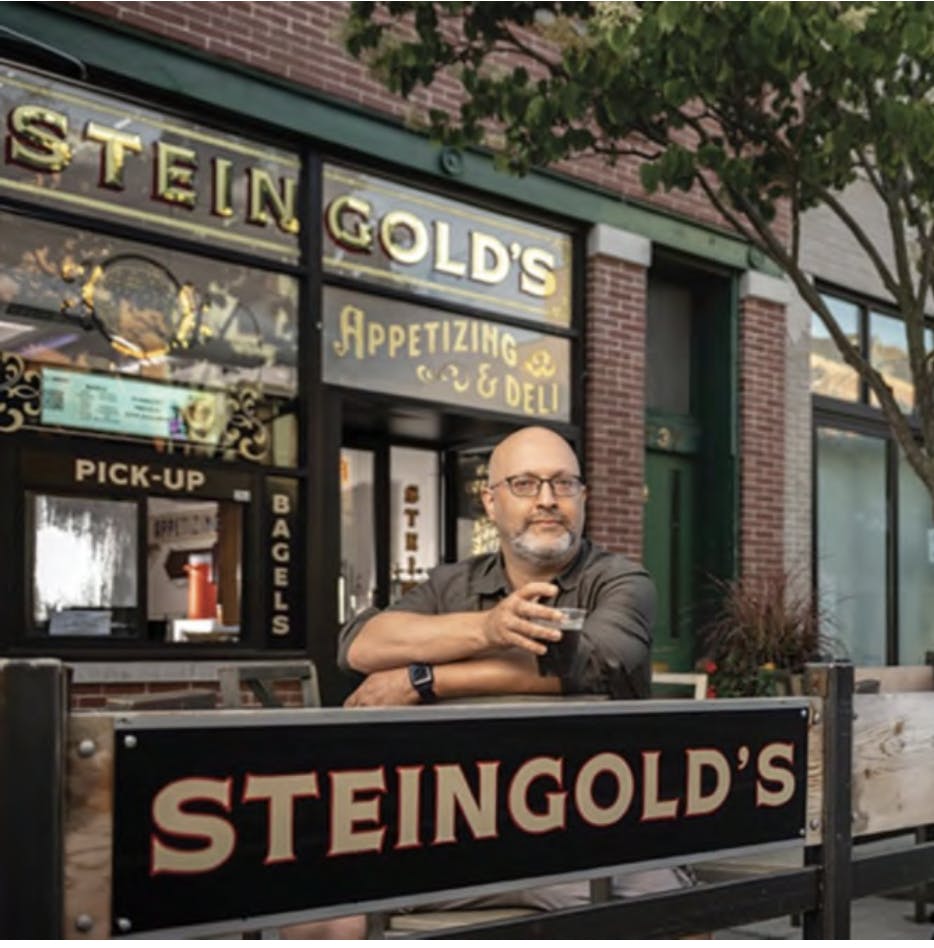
x=612, y=656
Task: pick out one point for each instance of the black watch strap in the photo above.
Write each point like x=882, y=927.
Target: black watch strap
x=422, y=677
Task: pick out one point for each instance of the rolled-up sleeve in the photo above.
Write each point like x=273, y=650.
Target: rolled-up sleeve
x=613, y=653
x=423, y=599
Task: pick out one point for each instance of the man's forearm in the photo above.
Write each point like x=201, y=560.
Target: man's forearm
x=512, y=674
x=393, y=639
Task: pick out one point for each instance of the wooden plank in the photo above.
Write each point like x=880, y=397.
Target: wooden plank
x=893, y=762
x=815, y=798
x=88, y=826
x=694, y=680
x=897, y=678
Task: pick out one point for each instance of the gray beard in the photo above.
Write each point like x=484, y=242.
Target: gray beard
x=542, y=552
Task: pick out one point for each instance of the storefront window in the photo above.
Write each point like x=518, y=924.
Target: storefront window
x=851, y=540
x=915, y=567
x=150, y=270
x=357, y=583
x=668, y=335
x=84, y=563
x=83, y=566
x=194, y=564
x=151, y=344
x=476, y=533
x=888, y=352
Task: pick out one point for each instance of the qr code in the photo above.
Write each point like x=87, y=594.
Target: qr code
x=53, y=399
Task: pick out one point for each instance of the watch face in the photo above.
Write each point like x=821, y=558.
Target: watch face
x=421, y=675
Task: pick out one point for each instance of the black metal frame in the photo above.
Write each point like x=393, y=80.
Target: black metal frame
x=861, y=417
x=33, y=713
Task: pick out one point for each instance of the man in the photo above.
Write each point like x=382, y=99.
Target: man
x=475, y=627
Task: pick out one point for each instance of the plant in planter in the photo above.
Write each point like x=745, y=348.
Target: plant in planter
x=764, y=631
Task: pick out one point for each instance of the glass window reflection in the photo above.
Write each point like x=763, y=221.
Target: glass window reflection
x=888, y=352
x=83, y=566
x=915, y=568
x=89, y=303
x=830, y=375
x=851, y=538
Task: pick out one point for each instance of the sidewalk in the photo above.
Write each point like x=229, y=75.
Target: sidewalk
x=875, y=917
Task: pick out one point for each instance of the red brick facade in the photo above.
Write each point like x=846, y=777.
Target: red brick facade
x=300, y=42
x=762, y=441
x=615, y=423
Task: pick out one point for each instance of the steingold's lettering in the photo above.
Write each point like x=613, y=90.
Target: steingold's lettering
x=44, y=140
x=380, y=809
x=72, y=147
x=435, y=246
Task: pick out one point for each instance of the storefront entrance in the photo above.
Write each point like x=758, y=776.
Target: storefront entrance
x=408, y=503
x=690, y=467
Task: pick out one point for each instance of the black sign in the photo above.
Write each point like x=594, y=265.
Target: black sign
x=228, y=821
x=382, y=345
x=377, y=231
x=283, y=564
x=70, y=148
x=94, y=473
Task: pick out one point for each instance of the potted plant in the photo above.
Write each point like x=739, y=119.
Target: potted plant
x=762, y=633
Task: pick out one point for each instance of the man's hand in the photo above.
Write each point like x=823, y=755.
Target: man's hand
x=511, y=622
x=384, y=689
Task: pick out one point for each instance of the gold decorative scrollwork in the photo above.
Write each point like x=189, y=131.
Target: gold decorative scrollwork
x=245, y=431
x=540, y=364
x=165, y=318
x=449, y=372
x=20, y=393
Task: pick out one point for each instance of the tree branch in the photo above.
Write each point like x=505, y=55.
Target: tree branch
x=862, y=239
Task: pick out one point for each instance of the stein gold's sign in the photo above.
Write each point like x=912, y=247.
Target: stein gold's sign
x=381, y=345
x=351, y=809
x=77, y=150
x=378, y=231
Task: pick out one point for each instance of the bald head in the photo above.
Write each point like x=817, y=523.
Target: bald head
x=529, y=450
x=539, y=533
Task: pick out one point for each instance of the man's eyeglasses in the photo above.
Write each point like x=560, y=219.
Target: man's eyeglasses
x=530, y=485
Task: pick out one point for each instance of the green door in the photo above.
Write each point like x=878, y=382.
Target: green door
x=670, y=485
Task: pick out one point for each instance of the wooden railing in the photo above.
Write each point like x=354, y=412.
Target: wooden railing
x=869, y=770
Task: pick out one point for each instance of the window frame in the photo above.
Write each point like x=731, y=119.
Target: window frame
x=863, y=418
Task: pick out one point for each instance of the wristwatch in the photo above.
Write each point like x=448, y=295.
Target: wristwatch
x=422, y=677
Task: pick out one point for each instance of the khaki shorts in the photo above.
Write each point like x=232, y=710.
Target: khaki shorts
x=562, y=895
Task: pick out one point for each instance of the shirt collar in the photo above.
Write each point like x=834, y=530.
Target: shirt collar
x=490, y=579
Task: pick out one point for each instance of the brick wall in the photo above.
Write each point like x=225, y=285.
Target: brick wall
x=615, y=387
x=762, y=437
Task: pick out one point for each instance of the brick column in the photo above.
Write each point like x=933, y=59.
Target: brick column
x=615, y=387
x=762, y=344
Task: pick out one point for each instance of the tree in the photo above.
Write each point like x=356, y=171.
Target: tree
x=769, y=109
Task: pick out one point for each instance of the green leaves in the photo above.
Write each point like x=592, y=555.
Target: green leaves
x=770, y=102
